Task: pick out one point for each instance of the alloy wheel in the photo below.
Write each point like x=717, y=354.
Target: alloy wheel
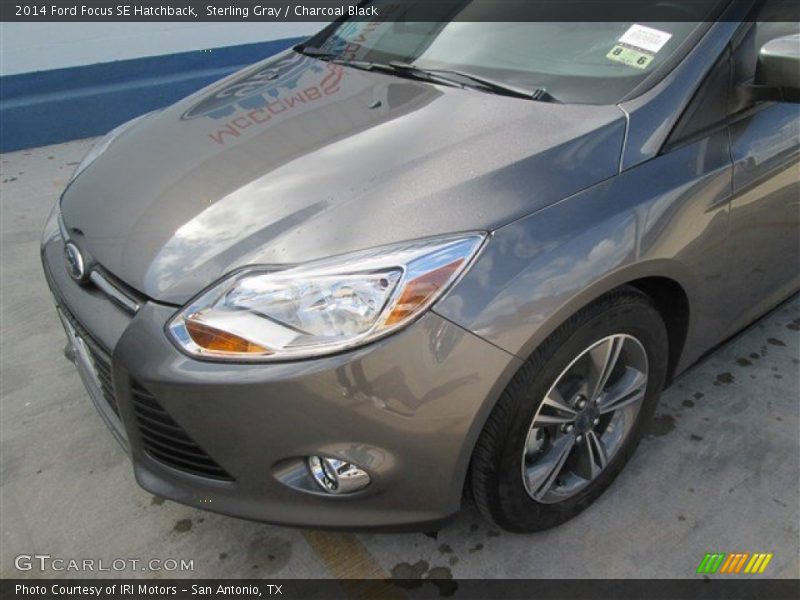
x=585, y=418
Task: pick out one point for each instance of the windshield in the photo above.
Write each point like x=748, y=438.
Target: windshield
x=588, y=63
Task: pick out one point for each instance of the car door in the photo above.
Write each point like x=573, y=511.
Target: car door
x=765, y=205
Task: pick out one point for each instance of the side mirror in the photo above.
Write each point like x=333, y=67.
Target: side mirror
x=779, y=66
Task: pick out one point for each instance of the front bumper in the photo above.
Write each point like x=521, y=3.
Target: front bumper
x=407, y=409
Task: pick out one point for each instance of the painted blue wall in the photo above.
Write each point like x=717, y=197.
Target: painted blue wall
x=59, y=105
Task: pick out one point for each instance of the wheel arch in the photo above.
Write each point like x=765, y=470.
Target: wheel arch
x=672, y=303
x=668, y=284
x=665, y=283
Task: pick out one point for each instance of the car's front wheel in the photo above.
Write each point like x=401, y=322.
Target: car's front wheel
x=572, y=415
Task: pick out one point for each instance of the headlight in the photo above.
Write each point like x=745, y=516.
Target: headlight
x=104, y=142
x=321, y=307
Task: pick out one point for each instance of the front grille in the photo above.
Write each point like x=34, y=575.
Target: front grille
x=165, y=441
x=100, y=359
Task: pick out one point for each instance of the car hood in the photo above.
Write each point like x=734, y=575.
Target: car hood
x=295, y=159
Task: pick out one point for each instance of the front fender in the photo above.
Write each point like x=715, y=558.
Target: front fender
x=666, y=218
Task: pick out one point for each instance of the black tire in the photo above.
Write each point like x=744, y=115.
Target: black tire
x=495, y=477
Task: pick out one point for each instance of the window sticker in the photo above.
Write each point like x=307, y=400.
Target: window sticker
x=645, y=38
x=638, y=46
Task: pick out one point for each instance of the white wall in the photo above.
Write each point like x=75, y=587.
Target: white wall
x=27, y=47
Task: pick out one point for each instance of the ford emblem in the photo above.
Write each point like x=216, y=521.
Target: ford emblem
x=74, y=262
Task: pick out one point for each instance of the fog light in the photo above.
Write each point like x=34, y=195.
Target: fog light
x=337, y=476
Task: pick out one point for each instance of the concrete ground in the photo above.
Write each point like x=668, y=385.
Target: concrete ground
x=718, y=472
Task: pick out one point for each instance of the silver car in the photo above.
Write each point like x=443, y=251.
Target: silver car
x=403, y=264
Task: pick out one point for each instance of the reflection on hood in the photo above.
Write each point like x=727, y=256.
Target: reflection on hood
x=295, y=159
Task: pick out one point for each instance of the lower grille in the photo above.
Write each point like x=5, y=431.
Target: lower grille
x=100, y=359
x=102, y=367
x=165, y=441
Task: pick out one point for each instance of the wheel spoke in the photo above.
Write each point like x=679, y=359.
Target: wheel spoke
x=629, y=389
x=602, y=360
x=554, y=410
x=541, y=475
x=592, y=456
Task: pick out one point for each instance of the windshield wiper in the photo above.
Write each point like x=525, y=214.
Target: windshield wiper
x=391, y=68
x=315, y=52
x=444, y=76
x=490, y=84
x=366, y=65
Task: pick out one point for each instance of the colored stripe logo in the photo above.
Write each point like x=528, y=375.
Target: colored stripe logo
x=734, y=563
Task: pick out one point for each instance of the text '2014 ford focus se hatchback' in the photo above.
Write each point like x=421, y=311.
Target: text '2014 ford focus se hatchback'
x=400, y=262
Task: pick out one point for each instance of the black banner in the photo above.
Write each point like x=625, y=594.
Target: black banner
x=728, y=588
x=381, y=10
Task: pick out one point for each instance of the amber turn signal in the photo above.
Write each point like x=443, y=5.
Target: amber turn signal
x=216, y=340
x=419, y=291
